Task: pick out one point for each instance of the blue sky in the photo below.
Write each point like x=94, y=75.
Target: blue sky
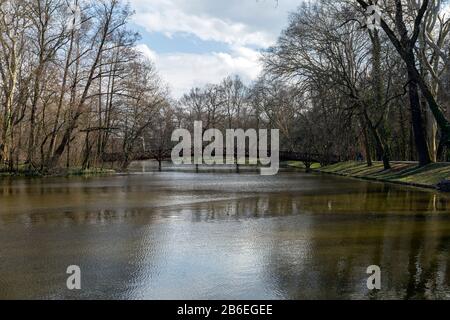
x=195, y=42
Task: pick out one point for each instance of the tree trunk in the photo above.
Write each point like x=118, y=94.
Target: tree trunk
x=90, y=78
x=381, y=146
x=420, y=137
x=366, y=144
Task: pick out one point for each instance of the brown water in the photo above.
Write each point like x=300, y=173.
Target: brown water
x=181, y=235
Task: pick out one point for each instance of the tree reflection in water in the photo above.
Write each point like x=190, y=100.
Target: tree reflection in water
x=222, y=236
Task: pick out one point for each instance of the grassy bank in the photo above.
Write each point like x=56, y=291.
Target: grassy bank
x=301, y=165
x=21, y=172
x=406, y=173
x=89, y=172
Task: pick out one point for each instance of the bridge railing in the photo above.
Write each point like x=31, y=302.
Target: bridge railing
x=284, y=156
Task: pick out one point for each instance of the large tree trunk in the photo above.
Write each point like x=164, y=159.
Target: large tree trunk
x=31, y=139
x=405, y=46
x=420, y=137
x=366, y=143
x=6, y=147
x=381, y=150
x=51, y=147
x=381, y=145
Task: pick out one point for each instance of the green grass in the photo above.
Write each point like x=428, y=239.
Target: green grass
x=88, y=172
x=24, y=172
x=401, y=172
x=301, y=165
x=21, y=171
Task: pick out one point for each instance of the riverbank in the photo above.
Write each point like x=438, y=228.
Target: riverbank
x=58, y=173
x=301, y=165
x=405, y=173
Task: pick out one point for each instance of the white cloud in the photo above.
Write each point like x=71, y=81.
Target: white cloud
x=183, y=71
x=169, y=18
x=147, y=52
x=237, y=22
x=240, y=25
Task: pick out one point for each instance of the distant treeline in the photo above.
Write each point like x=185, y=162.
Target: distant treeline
x=72, y=93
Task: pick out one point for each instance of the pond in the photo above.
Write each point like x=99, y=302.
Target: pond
x=221, y=235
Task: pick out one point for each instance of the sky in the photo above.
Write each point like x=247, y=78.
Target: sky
x=196, y=42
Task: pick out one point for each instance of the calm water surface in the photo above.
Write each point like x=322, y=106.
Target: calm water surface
x=182, y=235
